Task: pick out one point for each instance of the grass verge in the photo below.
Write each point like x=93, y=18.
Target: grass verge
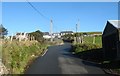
x=17, y=55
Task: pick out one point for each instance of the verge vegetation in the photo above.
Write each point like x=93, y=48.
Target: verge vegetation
x=17, y=55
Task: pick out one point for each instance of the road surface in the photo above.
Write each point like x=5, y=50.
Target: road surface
x=58, y=60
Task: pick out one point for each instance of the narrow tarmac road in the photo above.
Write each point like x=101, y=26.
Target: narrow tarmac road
x=58, y=60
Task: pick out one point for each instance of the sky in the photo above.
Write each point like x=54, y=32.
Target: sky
x=61, y=0
x=21, y=17
x=0, y=12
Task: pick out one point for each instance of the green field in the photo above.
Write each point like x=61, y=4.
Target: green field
x=89, y=40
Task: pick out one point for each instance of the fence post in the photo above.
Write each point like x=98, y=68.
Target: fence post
x=94, y=39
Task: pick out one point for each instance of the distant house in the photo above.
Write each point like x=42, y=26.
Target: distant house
x=66, y=32
x=111, y=40
x=46, y=35
x=97, y=34
x=56, y=35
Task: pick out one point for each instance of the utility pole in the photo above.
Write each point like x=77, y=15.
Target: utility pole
x=51, y=28
x=80, y=37
x=11, y=39
x=76, y=33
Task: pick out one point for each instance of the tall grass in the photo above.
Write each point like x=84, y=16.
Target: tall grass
x=16, y=55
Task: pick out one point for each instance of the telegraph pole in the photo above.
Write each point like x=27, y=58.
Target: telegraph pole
x=80, y=37
x=51, y=28
x=76, y=33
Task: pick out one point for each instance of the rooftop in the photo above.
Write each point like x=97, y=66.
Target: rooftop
x=46, y=33
x=115, y=23
x=66, y=32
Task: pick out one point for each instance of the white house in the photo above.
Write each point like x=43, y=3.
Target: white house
x=56, y=35
x=66, y=32
x=46, y=35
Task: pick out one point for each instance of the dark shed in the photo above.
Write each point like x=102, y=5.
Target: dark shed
x=111, y=40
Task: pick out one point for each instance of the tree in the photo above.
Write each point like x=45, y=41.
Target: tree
x=85, y=33
x=3, y=31
x=68, y=37
x=38, y=35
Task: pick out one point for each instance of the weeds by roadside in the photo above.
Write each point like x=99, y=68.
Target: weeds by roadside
x=16, y=55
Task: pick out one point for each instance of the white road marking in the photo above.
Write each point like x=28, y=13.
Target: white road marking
x=45, y=52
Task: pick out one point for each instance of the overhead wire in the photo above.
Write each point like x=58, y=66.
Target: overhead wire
x=37, y=10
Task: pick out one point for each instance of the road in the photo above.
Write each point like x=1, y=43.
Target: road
x=58, y=60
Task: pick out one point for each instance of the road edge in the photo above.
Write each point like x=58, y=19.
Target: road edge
x=44, y=52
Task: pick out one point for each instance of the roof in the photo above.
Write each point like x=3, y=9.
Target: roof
x=112, y=27
x=56, y=33
x=46, y=33
x=66, y=32
x=115, y=23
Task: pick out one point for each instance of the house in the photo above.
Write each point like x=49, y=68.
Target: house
x=111, y=40
x=66, y=32
x=97, y=34
x=56, y=35
x=46, y=35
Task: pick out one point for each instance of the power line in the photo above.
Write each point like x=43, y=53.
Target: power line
x=37, y=10
x=51, y=29
x=51, y=25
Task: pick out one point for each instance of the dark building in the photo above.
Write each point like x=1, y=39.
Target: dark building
x=111, y=40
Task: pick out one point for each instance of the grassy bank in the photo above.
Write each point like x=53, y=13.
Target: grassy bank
x=88, y=44
x=94, y=52
x=77, y=48
x=17, y=55
x=89, y=50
